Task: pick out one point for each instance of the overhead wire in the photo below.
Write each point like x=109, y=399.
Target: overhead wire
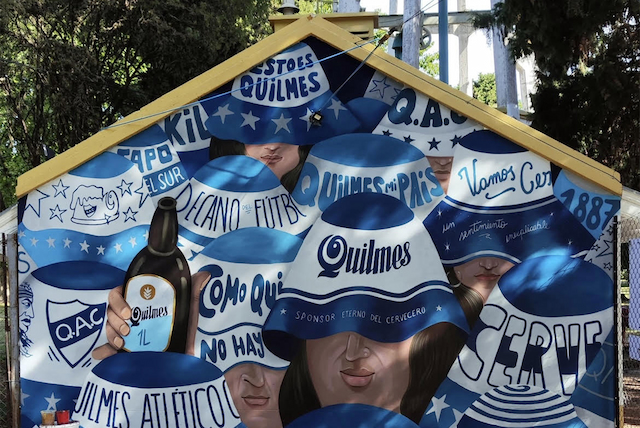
x=381, y=41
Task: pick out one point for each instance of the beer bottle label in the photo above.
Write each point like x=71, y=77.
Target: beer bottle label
x=152, y=300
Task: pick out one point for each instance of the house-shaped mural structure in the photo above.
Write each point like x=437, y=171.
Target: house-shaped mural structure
x=367, y=245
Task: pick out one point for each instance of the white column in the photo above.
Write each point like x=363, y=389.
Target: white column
x=349, y=6
x=505, y=66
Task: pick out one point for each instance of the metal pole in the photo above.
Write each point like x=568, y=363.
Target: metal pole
x=443, y=40
x=411, y=32
x=506, y=89
x=619, y=345
x=14, y=367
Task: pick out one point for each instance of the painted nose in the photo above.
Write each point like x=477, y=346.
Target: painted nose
x=273, y=146
x=488, y=263
x=356, y=347
x=254, y=374
x=442, y=161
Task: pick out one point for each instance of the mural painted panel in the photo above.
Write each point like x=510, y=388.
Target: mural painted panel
x=317, y=243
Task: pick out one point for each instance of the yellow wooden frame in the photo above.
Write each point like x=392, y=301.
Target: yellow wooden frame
x=342, y=40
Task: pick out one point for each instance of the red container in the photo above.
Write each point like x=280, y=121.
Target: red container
x=62, y=416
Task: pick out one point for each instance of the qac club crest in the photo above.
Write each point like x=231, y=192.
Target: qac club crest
x=75, y=335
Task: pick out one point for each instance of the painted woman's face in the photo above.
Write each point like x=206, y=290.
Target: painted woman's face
x=441, y=166
x=255, y=391
x=482, y=274
x=279, y=157
x=349, y=368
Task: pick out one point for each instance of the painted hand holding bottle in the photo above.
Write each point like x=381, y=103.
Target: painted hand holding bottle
x=158, y=287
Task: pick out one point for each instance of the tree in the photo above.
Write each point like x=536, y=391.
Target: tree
x=67, y=69
x=429, y=62
x=484, y=89
x=588, y=58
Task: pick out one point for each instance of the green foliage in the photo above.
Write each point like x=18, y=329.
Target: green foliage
x=67, y=69
x=429, y=62
x=588, y=58
x=315, y=6
x=484, y=89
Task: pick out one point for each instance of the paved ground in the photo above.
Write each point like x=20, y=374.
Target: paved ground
x=632, y=398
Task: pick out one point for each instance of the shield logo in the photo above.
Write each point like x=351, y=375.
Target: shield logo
x=75, y=328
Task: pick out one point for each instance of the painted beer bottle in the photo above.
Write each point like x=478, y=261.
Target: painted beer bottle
x=158, y=287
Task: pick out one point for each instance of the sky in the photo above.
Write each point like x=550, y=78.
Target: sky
x=479, y=49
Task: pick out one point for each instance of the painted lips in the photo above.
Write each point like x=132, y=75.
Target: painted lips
x=269, y=159
x=255, y=400
x=357, y=378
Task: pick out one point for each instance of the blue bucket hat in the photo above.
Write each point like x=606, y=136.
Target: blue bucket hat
x=520, y=405
x=273, y=102
x=156, y=387
x=247, y=267
x=352, y=415
x=501, y=203
x=424, y=123
x=234, y=192
x=555, y=312
x=368, y=266
x=361, y=163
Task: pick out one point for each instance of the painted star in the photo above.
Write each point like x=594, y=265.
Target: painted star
x=122, y=186
x=388, y=133
x=23, y=396
x=67, y=242
x=60, y=189
x=133, y=242
x=306, y=117
x=433, y=144
x=336, y=106
x=193, y=255
x=21, y=234
x=51, y=241
x=408, y=139
x=57, y=212
x=608, y=250
x=458, y=415
x=397, y=91
x=282, y=123
x=52, y=402
x=447, y=247
x=100, y=250
x=34, y=241
x=608, y=266
x=380, y=86
x=84, y=246
x=283, y=311
x=570, y=242
x=455, y=141
x=438, y=406
x=438, y=308
x=118, y=248
x=248, y=119
x=146, y=235
x=439, y=213
x=129, y=214
x=33, y=198
x=142, y=192
x=223, y=112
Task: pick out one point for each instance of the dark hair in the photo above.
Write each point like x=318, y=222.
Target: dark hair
x=219, y=147
x=433, y=351
x=297, y=394
x=470, y=300
x=290, y=179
